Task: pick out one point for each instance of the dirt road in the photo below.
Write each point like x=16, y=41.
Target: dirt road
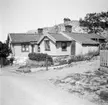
x=18, y=90
x=36, y=89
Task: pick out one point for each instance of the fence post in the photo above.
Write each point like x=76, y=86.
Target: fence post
x=104, y=57
x=46, y=63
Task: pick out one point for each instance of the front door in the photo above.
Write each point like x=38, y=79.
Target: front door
x=32, y=48
x=73, y=48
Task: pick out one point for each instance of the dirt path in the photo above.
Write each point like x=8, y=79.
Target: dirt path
x=17, y=90
x=36, y=89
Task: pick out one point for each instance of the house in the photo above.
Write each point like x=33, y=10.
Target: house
x=66, y=43
x=22, y=44
x=52, y=43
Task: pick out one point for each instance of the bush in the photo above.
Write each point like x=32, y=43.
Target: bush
x=40, y=57
x=62, y=62
x=80, y=58
x=87, y=56
x=104, y=95
x=76, y=58
x=4, y=61
x=93, y=53
x=33, y=63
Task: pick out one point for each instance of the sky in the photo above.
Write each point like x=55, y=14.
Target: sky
x=23, y=15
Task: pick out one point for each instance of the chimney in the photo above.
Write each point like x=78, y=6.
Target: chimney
x=66, y=20
x=68, y=28
x=40, y=31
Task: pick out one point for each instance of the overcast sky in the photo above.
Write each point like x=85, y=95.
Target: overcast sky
x=24, y=15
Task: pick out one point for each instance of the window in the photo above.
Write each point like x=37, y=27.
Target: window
x=47, y=45
x=25, y=48
x=38, y=48
x=64, y=46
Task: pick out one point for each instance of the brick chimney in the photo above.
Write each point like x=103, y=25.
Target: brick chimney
x=40, y=31
x=66, y=20
x=68, y=28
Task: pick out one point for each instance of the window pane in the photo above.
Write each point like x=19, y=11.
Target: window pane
x=25, y=48
x=64, y=46
x=47, y=45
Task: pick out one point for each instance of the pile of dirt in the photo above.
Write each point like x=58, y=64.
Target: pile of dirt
x=92, y=85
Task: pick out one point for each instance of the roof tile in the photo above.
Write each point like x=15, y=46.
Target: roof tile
x=23, y=37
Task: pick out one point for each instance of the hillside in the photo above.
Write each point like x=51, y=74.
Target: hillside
x=60, y=27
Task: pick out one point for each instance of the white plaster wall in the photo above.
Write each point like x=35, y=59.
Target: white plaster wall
x=81, y=50
x=59, y=49
x=36, y=49
x=87, y=49
x=55, y=49
x=78, y=49
x=52, y=47
x=19, y=53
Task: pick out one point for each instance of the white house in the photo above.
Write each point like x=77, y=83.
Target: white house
x=67, y=43
x=54, y=44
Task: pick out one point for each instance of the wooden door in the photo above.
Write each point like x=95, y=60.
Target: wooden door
x=73, y=48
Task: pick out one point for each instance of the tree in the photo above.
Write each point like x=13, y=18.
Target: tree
x=95, y=22
x=4, y=52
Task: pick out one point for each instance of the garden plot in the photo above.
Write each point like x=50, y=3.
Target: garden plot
x=92, y=85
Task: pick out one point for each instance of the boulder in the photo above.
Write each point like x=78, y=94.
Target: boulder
x=67, y=80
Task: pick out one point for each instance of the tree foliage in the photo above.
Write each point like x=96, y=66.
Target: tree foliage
x=4, y=50
x=95, y=22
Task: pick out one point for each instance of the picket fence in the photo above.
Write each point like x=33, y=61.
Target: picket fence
x=104, y=57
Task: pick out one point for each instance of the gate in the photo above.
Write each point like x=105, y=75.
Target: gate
x=104, y=56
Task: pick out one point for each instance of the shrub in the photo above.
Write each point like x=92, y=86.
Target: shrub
x=33, y=63
x=40, y=57
x=93, y=53
x=4, y=61
x=104, y=95
x=62, y=62
x=87, y=56
x=80, y=58
x=76, y=58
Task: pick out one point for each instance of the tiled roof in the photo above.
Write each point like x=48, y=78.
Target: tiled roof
x=24, y=37
x=93, y=36
x=81, y=38
x=59, y=37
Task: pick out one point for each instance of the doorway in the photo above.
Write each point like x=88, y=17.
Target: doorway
x=32, y=48
x=73, y=47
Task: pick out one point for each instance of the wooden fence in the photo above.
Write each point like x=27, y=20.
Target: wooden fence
x=104, y=57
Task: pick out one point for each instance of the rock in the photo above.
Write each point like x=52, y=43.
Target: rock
x=103, y=94
x=103, y=82
x=77, y=89
x=73, y=82
x=94, y=88
x=67, y=80
x=95, y=81
x=24, y=69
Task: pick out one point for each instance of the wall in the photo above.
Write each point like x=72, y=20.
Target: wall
x=18, y=53
x=55, y=48
x=52, y=47
x=81, y=50
x=87, y=49
x=59, y=49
